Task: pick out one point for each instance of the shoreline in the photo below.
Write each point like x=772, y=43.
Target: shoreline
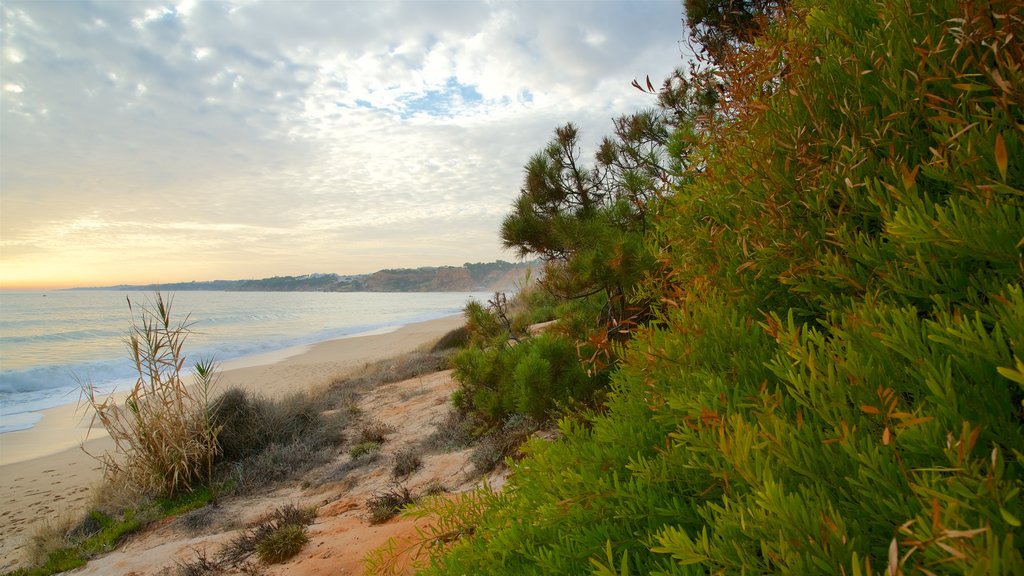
x=46, y=476
x=64, y=426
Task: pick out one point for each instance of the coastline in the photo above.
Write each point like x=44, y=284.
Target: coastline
x=44, y=474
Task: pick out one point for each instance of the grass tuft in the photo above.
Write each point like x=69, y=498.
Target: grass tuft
x=407, y=461
x=282, y=543
x=386, y=505
x=363, y=449
x=164, y=441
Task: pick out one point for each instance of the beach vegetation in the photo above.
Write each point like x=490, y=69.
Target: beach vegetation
x=364, y=449
x=165, y=441
x=452, y=340
x=199, y=519
x=502, y=442
x=375, y=431
x=282, y=544
x=273, y=538
x=54, y=550
x=385, y=505
x=406, y=461
x=265, y=441
x=506, y=371
x=458, y=430
x=831, y=376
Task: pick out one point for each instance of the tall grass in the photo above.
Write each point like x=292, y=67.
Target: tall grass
x=165, y=440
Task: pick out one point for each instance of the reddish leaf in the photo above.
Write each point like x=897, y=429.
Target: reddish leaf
x=1000, y=154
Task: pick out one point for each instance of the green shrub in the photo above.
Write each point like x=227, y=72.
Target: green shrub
x=282, y=544
x=534, y=378
x=452, y=340
x=363, y=449
x=833, y=384
x=274, y=538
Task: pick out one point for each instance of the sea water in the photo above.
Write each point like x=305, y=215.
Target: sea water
x=54, y=342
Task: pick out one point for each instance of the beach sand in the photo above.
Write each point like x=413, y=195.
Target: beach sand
x=45, y=475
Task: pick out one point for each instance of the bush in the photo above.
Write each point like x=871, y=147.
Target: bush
x=407, y=461
x=363, y=449
x=833, y=385
x=534, y=378
x=280, y=535
x=456, y=431
x=263, y=441
x=375, y=431
x=162, y=432
x=282, y=544
x=501, y=443
x=454, y=339
x=386, y=505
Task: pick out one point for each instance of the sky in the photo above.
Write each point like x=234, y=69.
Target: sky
x=180, y=140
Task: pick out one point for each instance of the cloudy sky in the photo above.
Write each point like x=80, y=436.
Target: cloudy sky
x=182, y=140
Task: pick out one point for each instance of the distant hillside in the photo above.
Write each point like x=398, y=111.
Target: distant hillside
x=497, y=276
x=494, y=276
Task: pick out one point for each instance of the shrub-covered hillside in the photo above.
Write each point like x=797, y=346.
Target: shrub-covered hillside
x=831, y=379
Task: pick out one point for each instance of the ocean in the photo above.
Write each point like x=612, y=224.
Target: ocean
x=52, y=342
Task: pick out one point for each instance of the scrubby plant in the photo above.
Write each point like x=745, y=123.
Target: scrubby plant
x=55, y=551
x=375, y=431
x=456, y=431
x=533, y=377
x=282, y=544
x=452, y=340
x=502, y=442
x=363, y=449
x=279, y=534
x=383, y=506
x=833, y=380
x=165, y=441
x=406, y=461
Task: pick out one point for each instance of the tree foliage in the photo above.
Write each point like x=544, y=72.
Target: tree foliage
x=591, y=224
x=719, y=26
x=834, y=383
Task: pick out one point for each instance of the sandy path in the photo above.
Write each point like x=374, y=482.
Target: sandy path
x=44, y=474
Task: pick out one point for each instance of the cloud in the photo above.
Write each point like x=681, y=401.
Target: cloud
x=298, y=136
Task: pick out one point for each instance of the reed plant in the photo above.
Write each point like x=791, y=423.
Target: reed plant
x=165, y=439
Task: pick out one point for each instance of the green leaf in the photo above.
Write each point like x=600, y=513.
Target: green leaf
x=1009, y=518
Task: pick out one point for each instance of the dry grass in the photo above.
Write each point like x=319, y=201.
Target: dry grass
x=164, y=440
x=266, y=529
x=406, y=461
x=386, y=505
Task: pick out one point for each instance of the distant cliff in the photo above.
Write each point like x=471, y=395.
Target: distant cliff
x=498, y=276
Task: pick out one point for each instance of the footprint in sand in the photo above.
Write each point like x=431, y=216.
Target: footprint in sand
x=46, y=471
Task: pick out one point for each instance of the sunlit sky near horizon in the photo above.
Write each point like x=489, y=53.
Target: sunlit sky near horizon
x=181, y=140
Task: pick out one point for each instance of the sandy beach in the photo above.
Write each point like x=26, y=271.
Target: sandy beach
x=45, y=475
